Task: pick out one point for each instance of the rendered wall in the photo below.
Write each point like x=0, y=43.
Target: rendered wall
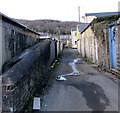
x=13, y=40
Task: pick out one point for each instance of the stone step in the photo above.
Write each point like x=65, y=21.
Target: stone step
x=115, y=72
x=118, y=59
x=118, y=62
x=118, y=65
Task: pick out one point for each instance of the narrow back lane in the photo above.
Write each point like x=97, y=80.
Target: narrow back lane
x=88, y=91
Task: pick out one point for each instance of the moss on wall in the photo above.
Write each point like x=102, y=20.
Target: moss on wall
x=98, y=25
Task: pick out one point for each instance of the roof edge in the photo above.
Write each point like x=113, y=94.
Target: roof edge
x=14, y=21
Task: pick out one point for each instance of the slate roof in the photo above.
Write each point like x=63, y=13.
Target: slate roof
x=102, y=14
x=81, y=27
x=73, y=29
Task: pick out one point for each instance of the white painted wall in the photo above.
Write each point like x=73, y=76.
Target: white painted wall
x=61, y=46
x=87, y=45
x=89, y=19
x=96, y=51
x=78, y=46
x=82, y=47
x=74, y=40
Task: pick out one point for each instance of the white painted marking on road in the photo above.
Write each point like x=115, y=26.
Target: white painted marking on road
x=11, y=109
x=61, y=78
x=72, y=64
x=36, y=103
x=75, y=72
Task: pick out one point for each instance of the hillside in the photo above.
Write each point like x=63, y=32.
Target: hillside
x=50, y=26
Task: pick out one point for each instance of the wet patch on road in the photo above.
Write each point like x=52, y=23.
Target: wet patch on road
x=94, y=95
x=93, y=74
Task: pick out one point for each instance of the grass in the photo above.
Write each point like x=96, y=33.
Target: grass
x=89, y=62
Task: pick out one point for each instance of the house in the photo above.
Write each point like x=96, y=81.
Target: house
x=90, y=16
x=66, y=40
x=99, y=42
x=44, y=36
x=80, y=27
x=73, y=37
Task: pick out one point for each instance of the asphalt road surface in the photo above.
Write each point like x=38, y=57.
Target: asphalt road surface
x=91, y=90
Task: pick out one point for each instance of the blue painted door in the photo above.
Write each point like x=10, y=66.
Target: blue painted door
x=113, y=53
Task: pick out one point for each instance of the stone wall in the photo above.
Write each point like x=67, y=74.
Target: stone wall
x=59, y=47
x=118, y=42
x=95, y=47
x=20, y=81
x=53, y=52
x=24, y=61
x=94, y=43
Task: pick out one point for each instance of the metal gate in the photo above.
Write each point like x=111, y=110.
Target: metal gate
x=113, y=53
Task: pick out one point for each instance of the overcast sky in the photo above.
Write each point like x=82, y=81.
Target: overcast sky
x=64, y=10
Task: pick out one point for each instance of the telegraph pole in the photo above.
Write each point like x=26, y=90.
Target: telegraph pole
x=79, y=13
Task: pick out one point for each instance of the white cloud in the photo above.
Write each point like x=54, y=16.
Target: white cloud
x=55, y=9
